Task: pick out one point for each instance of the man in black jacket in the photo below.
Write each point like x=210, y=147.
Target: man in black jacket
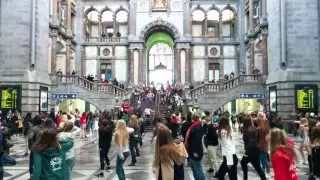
x=194, y=147
x=212, y=144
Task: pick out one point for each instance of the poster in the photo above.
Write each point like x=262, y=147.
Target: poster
x=306, y=97
x=273, y=99
x=43, y=99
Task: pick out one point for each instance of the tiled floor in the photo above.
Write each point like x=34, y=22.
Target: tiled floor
x=87, y=163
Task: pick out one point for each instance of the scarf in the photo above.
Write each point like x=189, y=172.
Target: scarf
x=188, y=132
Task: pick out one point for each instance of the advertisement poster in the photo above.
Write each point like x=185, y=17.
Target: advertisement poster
x=10, y=97
x=273, y=99
x=43, y=102
x=306, y=97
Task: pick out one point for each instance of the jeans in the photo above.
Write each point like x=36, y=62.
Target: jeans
x=264, y=161
x=69, y=165
x=134, y=149
x=8, y=160
x=1, y=168
x=196, y=168
x=254, y=159
x=31, y=163
x=104, y=156
x=119, y=166
x=212, y=156
x=224, y=169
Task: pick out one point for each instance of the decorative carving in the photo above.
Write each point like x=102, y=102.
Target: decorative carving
x=164, y=24
x=106, y=52
x=213, y=51
x=176, y=5
x=143, y=6
x=159, y=5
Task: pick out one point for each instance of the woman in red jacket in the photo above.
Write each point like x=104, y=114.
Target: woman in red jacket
x=283, y=156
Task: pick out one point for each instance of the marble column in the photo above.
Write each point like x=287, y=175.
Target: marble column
x=251, y=14
x=131, y=66
x=55, y=12
x=68, y=53
x=132, y=19
x=251, y=60
x=83, y=62
x=53, y=54
x=242, y=48
x=141, y=67
x=187, y=66
x=220, y=25
x=69, y=19
x=99, y=25
x=265, y=54
x=178, y=66
x=187, y=18
x=114, y=26
x=205, y=25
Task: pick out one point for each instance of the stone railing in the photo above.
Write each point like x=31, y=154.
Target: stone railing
x=107, y=39
x=212, y=39
x=88, y=85
x=226, y=85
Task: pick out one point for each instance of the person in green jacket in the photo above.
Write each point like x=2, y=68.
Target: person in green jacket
x=49, y=156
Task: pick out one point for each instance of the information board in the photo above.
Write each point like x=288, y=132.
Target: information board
x=9, y=98
x=306, y=97
x=43, y=100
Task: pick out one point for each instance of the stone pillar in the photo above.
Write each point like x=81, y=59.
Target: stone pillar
x=178, y=67
x=251, y=60
x=265, y=54
x=251, y=14
x=205, y=25
x=131, y=66
x=55, y=12
x=132, y=19
x=68, y=52
x=114, y=26
x=220, y=25
x=141, y=67
x=69, y=19
x=187, y=64
x=99, y=25
x=242, y=48
x=221, y=69
x=53, y=54
x=83, y=62
x=264, y=8
x=187, y=18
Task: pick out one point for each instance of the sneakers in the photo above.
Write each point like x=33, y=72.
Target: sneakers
x=99, y=175
x=108, y=168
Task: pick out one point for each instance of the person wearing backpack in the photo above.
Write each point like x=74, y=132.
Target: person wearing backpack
x=32, y=135
x=50, y=156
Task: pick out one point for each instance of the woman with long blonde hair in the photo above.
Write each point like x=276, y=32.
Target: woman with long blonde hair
x=283, y=156
x=122, y=144
x=263, y=135
x=169, y=156
x=134, y=139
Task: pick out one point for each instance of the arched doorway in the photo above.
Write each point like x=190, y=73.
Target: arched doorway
x=160, y=63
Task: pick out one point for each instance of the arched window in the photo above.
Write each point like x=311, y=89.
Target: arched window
x=227, y=23
x=107, y=24
x=197, y=23
x=91, y=24
x=122, y=23
x=213, y=17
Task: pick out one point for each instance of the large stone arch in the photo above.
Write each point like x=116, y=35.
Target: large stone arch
x=159, y=26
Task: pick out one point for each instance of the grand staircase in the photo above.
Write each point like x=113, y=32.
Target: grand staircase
x=103, y=96
x=211, y=96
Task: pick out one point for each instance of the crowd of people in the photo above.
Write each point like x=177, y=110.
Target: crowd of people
x=178, y=140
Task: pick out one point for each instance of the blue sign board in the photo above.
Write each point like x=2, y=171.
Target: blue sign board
x=64, y=96
x=252, y=96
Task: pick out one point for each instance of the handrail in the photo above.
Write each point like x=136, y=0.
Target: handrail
x=107, y=39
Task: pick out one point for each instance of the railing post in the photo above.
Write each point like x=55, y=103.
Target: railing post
x=95, y=86
x=241, y=79
x=221, y=83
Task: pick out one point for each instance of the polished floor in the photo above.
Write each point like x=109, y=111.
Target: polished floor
x=87, y=162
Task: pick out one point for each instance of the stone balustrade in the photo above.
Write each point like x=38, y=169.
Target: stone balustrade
x=88, y=85
x=107, y=39
x=222, y=86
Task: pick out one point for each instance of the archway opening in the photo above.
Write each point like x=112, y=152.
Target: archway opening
x=72, y=104
x=243, y=106
x=160, y=63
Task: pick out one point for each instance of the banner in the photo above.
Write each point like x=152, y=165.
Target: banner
x=43, y=99
x=273, y=99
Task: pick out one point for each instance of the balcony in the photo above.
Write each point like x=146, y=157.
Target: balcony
x=105, y=40
x=215, y=40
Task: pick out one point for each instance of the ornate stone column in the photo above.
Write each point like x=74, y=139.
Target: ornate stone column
x=242, y=48
x=251, y=60
x=131, y=66
x=187, y=64
x=83, y=62
x=68, y=52
x=53, y=54
x=265, y=53
x=205, y=25
x=69, y=20
x=141, y=67
x=187, y=18
x=132, y=19
x=99, y=25
x=220, y=25
x=178, y=66
x=251, y=14
x=114, y=25
x=55, y=12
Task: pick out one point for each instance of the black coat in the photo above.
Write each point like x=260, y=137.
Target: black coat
x=195, y=143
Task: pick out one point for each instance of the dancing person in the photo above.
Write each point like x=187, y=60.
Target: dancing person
x=315, y=153
x=252, y=150
x=105, y=137
x=83, y=125
x=212, y=143
x=50, y=156
x=283, y=156
x=169, y=156
x=193, y=144
x=228, y=149
x=122, y=145
x=305, y=142
x=69, y=134
x=263, y=138
x=134, y=139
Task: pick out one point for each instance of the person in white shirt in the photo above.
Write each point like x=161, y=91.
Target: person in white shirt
x=69, y=133
x=122, y=146
x=228, y=149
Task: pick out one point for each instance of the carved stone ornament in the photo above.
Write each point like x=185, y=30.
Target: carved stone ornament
x=213, y=51
x=106, y=52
